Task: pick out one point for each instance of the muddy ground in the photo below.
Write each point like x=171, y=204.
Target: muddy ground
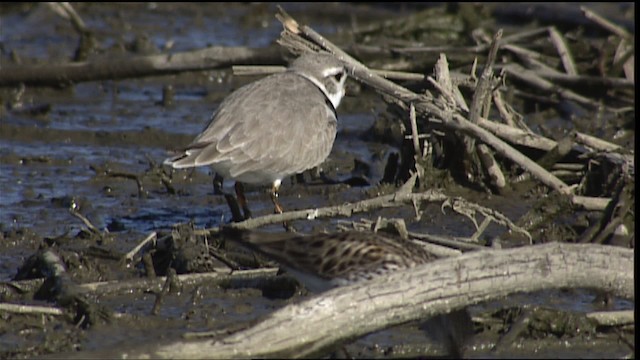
x=95, y=147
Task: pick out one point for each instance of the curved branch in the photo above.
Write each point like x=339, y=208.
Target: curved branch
x=294, y=32
x=337, y=316
x=396, y=199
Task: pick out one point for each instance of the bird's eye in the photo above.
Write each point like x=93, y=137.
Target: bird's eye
x=338, y=76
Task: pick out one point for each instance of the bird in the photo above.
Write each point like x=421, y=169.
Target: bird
x=275, y=127
x=328, y=260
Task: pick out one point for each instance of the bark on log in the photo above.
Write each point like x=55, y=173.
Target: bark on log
x=330, y=319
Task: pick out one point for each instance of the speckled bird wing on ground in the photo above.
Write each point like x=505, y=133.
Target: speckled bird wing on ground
x=351, y=255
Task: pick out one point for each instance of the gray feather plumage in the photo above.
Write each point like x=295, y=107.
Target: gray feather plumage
x=277, y=126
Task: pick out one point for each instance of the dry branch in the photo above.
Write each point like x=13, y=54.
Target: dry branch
x=30, y=309
x=155, y=283
x=480, y=106
x=395, y=199
x=473, y=49
x=292, y=38
x=529, y=139
x=613, y=318
x=136, y=66
x=563, y=51
x=296, y=37
x=401, y=197
x=589, y=81
x=535, y=80
x=152, y=237
x=447, y=241
x=319, y=323
x=244, y=70
x=604, y=23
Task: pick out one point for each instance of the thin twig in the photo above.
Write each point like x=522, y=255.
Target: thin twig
x=484, y=85
x=423, y=105
x=505, y=113
x=86, y=221
x=589, y=81
x=565, y=54
x=604, y=23
x=414, y=131
x=252, y=70
x=469, y=209
x=396, y=199
x=30, y=309
x=480, y=101
x=534, y=79
x=152, y=237
x=157, y=282
x=400, y=75
x=450, y=242
x=594, y=142
x=480, y=230
x=471, y=49
x=136, y=66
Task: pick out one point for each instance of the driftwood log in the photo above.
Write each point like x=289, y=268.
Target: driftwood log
x=319, y=323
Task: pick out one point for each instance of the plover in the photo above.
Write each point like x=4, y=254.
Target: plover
x=273, y=128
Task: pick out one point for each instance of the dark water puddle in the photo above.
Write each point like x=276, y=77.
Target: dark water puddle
x=54, y=161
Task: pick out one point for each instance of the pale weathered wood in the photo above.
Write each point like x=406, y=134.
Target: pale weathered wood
x=337, y=316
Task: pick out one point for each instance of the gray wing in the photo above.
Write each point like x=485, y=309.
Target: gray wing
x=281, y=122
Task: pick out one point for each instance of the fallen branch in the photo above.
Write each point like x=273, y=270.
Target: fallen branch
x=563, y=51
x=152, y=237
x=136, y=66
x=293, y=40
x=480, y=106
x=318, y=324
x=30, y=309
x=604, y=23
x=395, y=199
x=401, y=197
x=612, y=318
x=155, y=284
x=535, y=80
x=246, y=70
x=449, y=242
x=473, y=49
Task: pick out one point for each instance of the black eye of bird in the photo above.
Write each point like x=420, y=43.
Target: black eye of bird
x=338, y=76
